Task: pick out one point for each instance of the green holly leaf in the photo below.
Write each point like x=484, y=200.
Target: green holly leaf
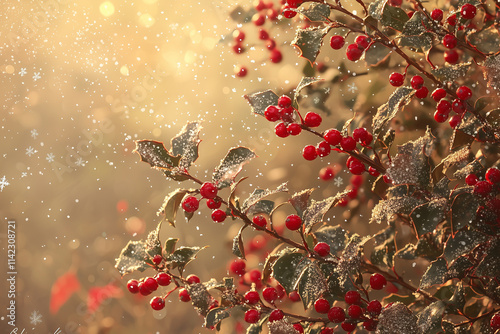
x=288, y=267
x=462, y=243
x=472, y=167
x=385, y=209
x=261, y=100
x=185, y=144
x=216, y=315
x=300, y=201
x=451, y=73
x=376, y=54
x=459, y=268
x=238, y=247
x=463, y=210
x=376, y=9
x=153, y=244
x=317, y=210
x=169, y=246
x=156, y=155
x=386, y=112
x=200, y=298
x=427, y=216
x=257, y=196
x=309, y=42
x=350, y=260
x=171, y=204
x=231, y=165
x=304, y=82
x=457, y=301
x=425, y=248
x=397, y=318
x=430, y=318
x=394, y=17
x=132, y=258
x=485, y=40
x=335, y=236
x=316, y=12
x=182, y=256
x=384, y=247
x=435, y=274
x=490, y=264
x=490, y=71
x=415, y=33
x=311, y=284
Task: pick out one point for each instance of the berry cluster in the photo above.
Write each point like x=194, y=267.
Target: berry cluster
x=286, y=114
x=355, y=50
x=209, y=191
x=148, y=285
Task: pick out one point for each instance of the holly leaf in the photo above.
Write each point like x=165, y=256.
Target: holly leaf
x=415, y=33
x=427, y=216
x=457, y=301
x=394, y=17
x=304, y=82
x=430, y=318
x=424, y=248
x=200, y=298
x=493, y=119
x=385, y=209
x=317, y=210
x=435, y=274
x=182, y=256
x=258, y=194
x=485, y=40
x=384, y=247
x=335, y=236
x=261, y=100
x=215, y=316
x=459, y=268
x=376, y=9
x=463, y=210
x=171, y=204
x=300, y=201
x=462, y=243
x=386, y=112
x=185, y=144
x=472, y=167
x=491, y=71
x=62, y=290
x=350, y=260
x=132, y=258
x=316, y=12
x=451, y=73
x=309, y=42
x=153, y=244
x=257, y=328
x=376, y=54
x=169, y=246
x=156, y=155
x=397, y=318
x=311, y=284
x=490, y=264
x=288, y=267
x=238, y=247
x=231, y=165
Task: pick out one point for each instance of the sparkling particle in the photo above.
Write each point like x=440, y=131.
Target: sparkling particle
x=34, y=133
x=338, y=181
x=35, y=318
x=23, y=72
x=352, y=88
x=30, y=151
x=3, y=183
x=50, y=157
x=36, y=76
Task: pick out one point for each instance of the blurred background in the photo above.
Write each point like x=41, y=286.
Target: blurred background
x=81, y=80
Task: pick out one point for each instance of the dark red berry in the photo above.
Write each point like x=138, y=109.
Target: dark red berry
x=336, y=314
x=214, y=203
x=451, y=56
x=163, y=279
x=293, y=222
x=454, y=121
x=370, y=325
x=157, y=259
x=377, y=281
x=374, y=307
x=322, y=306
x=396, y=79
x=449, y=41
x=373, y=172
x=298, y=328
x=252, y=316
x=395, y=3
x=286, y=114
x=495, y=321
x=422, y=92
x=326, y=173
x=360, y=135
x=417, y=82
x=348, y=326
x=333, y=137
x=151, y=284
x=309, y=152
x=218, y=215
x=362, y=41
x=143, y=290
x=437, y=14
x=208, y=190
x=482, y=188
x=493, y=175
x=312, y=120
x=353, y=53
x=238, y=35
x=255, y=275
x=356, y=167
x=438, y=94
x=464, y=93
x=184, y=295
x=323, y=149
x=440, y=117
x=284, y=101
x=193, y=279
x=326, y=330
x=323, y=249
x=337, y=42
x=272, y=113
x=133, y=286
x=252, y=297
x=355, y=311
x=270, y=44
x=471, y=179
x=452, y=19
x=190, y=204
x=270, y=294
x=458, y=106
x=287, y=12
x=259, y=5
x=356, y=180
x=238, y=267
x=281, y=130
x=348, y=144
x=263, y=34
x=294, y=129
x=468, y=11
x=240, y=71
x=275, y=56
x=157, y=303
x=444, y=107
x=259, y=221
x=294, y=296
x=258, y=19
x=352, y=297
x=238, y=48
x=276, y=315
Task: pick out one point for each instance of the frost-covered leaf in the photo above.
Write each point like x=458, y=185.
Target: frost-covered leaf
x=170, y=246
x=288, y=267
x=393, y=298
x=300, y=201
x=490, y=264
x=182, y=256
x=394, y=17
x=335, y=236
x=458, y=299
x=386, y=112
x=486, y=40
x=259, y=194
x=282, y=326
x=463, y=242
x=430, y=318
x=385, y=209
x=171, y=204
x=425, y=248
x=491, y=71
x=493, y=119
x=459, y=157
x=397, y=319
x=463, y=210
x=376, y=9
x=425, y=217
x=216, y=315
x=156, y=155
x=415, y=33
x=153, y=244
x=304, y=82
x=185, y=144
x=451, y=73
x=441, y=188
x=411, y=165
x=309, y=42
x=238, y=247
x=311, y=284
x=459, y=268
x=472, y=167
x=261, y=100
x=472, y=126
x=132, y=258
x=350, y=259
x=435, y=274
x=376, y=54
x=316, y=210
x=316, y=12
x=231, y=165
x=200, y=298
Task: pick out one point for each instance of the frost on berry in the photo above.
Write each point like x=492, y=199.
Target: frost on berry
x=396, y=319
x=491, y=71
x=282, y=326
x=351, y=259
x=396, y=102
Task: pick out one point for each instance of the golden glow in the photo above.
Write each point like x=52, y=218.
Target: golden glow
x=146, y=20
x=124, y=70
x=107, y=8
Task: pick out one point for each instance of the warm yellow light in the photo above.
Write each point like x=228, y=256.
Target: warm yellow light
x=146, y=20
x=124, y=70
x=107, y=8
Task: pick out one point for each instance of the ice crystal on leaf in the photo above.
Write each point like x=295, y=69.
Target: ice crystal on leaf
x=491, y=71
x=397, y=319
x=281, y=327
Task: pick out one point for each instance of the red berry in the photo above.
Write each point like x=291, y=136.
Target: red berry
x=370, y=325
x=281, y=291
x=287, y=12
x=326, y=330
x=208, y=190
x=143, y=290
x=272, y=113
x=422, y=92
x=312, y=120
x=263, y=34
x=270, y=44
x=276, y=315
x=449, y=41
x=444, y=107
x=452, y=19
x=252, y=316
x=348, y=144
x=258, y=19
x=337, y=42
x=343, y=201
x=440, y=117
x=387, y=179
x=259, y=5
x=298, y=328
x=356, y=180
x=359, y=134
x=238, y=267
x=151, y=284
x=464, y=93
x=218, y=216
x=272, y=13
x=284, y=101
x=133, y=286
x=437, y=14
x=333, y=137
x=190, y=204
x=471, y=179
x=281, y=130
x=438, y=94
x=184, y=295
x=373, y=172
x=495, y=321
x=275, y=56
x=323, y=149
x=348, y=326
x=395, y=3
x=451, y=56
x=294, y=296
x=454, y=121
x=458, y=106
x=157, y=303
x=309, y=152
x=294, y=129
x=352, y=297
x=355, y=166
x=326, y=173
x=468, y=11
x=396, y=79
x=238, y=48
x=270, y=294
x=353, y=193
x=377, y=281
x=355, y=311
x=193, y=279
x=238, y=35
x=362, y=41
x=353, y=53
x=482, y=188
x=417, y=82
x=293, y=222
x=322, y=306
x=336, y=314
x=163, y=279
x=286, y=114
x=214, y=203
x=322, y=248
x=240, y=71
x=255, y=275
x=493, y=175
x=252, y=297
x=157, y=259
x=259, y=221
x=374, y=307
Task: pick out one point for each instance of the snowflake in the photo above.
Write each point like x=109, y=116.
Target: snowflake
x=24, y=174
x=30, y=151
x=23, y=72
x=34, y=133
x=35, y=318
x=352, y=88
x=80, y=162
x=36, y=76
x=3, y=183
x=338, y=181
x=50, y=157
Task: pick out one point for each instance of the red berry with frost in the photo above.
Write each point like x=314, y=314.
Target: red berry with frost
x=287, y=12
x=133, y=286
x=275, y=56
x=252, y=316
x=370, y=325
x=259, y=220
x=163, y=279
x=193, y=279
x=272, y=113
x=208, y=190
x=190, y=204
x=396, y=79
x=218, y=216
x=451, y=56
x=452, y=20
x=336, y=314
x=326, y=173
x=322, y=248
x=464, y=93
x=387, y=179
x=294, y=129
x=444, y=107
x=454, y=121
x=482, y=188
x=284, y=101
x=348, y=144
x=438, y=94
x=333, y=137
x=258, y=19
x=298, y=328
x=151, y=284
x=458, y=106
x=449, y=41
x=294, y=296
x=157, y=259
x=238, y=267
x=286, y=114
x=240, y=71
x=359, y=134
x=377, y=281
x=323, y=149
x=422, y=92
x=214, y=203
x=157, y=303
x=468, y=11
x=440, y=117
x=352, y=297
x=374, y=307
x=281, y=130
x=255, y=275
x=493, y=175
x=270, y=44
x=353, y=53
x=337, y=42
x=348, y=326
x=322, y=306
x=293, y=222
x=276, y=315
x=238, y=35
x=471, y=179
x=309, y=152
x=373, y=172
x=355, y=311
x=437, y=14
x=238, y=48
x=417, y=82
x=252, y=297
x=312, y=120
x=495, y=321
x=362, y=41
x=270, y=294
x=356, y=167
x=184, y=295
x=143, y=290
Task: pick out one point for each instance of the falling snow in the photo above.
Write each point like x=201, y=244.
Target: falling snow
x=23, y=71
x=3, y=183
x=338, y=181
x=34, y=133
x=36, y=76
x=352, y=88
x=30, y=151
x=35, y=318
x=50, y=157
